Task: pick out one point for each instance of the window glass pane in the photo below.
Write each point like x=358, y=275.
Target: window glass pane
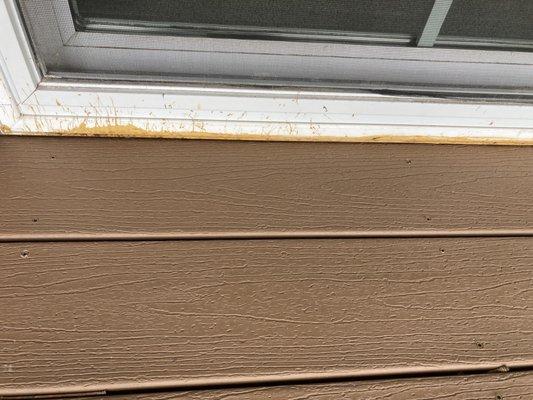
x=405, y=17
x=507, y=21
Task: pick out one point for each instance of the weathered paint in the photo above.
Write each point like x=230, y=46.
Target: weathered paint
x=265, y=116
x=132, y=131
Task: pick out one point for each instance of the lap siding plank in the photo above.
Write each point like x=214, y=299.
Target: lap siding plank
x=98, y=313
x=485, y=387
x=116, y=186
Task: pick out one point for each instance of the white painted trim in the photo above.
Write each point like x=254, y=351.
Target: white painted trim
x=269, y=107
x=115, y=109
x=185, y=112
x=8, y=113
x=18, y=69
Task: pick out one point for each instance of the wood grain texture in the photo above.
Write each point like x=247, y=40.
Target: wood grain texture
x=484, y=387
x=78, y=185
x=96, y=313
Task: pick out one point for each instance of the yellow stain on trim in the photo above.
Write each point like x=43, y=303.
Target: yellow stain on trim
x=132, y=131
x=5, y=129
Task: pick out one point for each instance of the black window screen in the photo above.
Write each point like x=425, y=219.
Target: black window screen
x=490, y=19
x=483, y=23
x=358, y=16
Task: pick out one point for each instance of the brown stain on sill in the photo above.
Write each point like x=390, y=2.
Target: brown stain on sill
x=4, y=129
x=132, y=131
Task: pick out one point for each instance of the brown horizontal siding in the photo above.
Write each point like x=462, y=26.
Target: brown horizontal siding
x=485, y=387
x=99, y=313
x=99, y=292
x=99, y=187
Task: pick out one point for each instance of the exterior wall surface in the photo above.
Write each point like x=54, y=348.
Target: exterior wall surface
x=151, y=269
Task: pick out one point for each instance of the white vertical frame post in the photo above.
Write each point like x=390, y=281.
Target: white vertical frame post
x=434, y=23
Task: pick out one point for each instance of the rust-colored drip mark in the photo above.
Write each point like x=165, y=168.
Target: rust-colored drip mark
x=4, y=129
